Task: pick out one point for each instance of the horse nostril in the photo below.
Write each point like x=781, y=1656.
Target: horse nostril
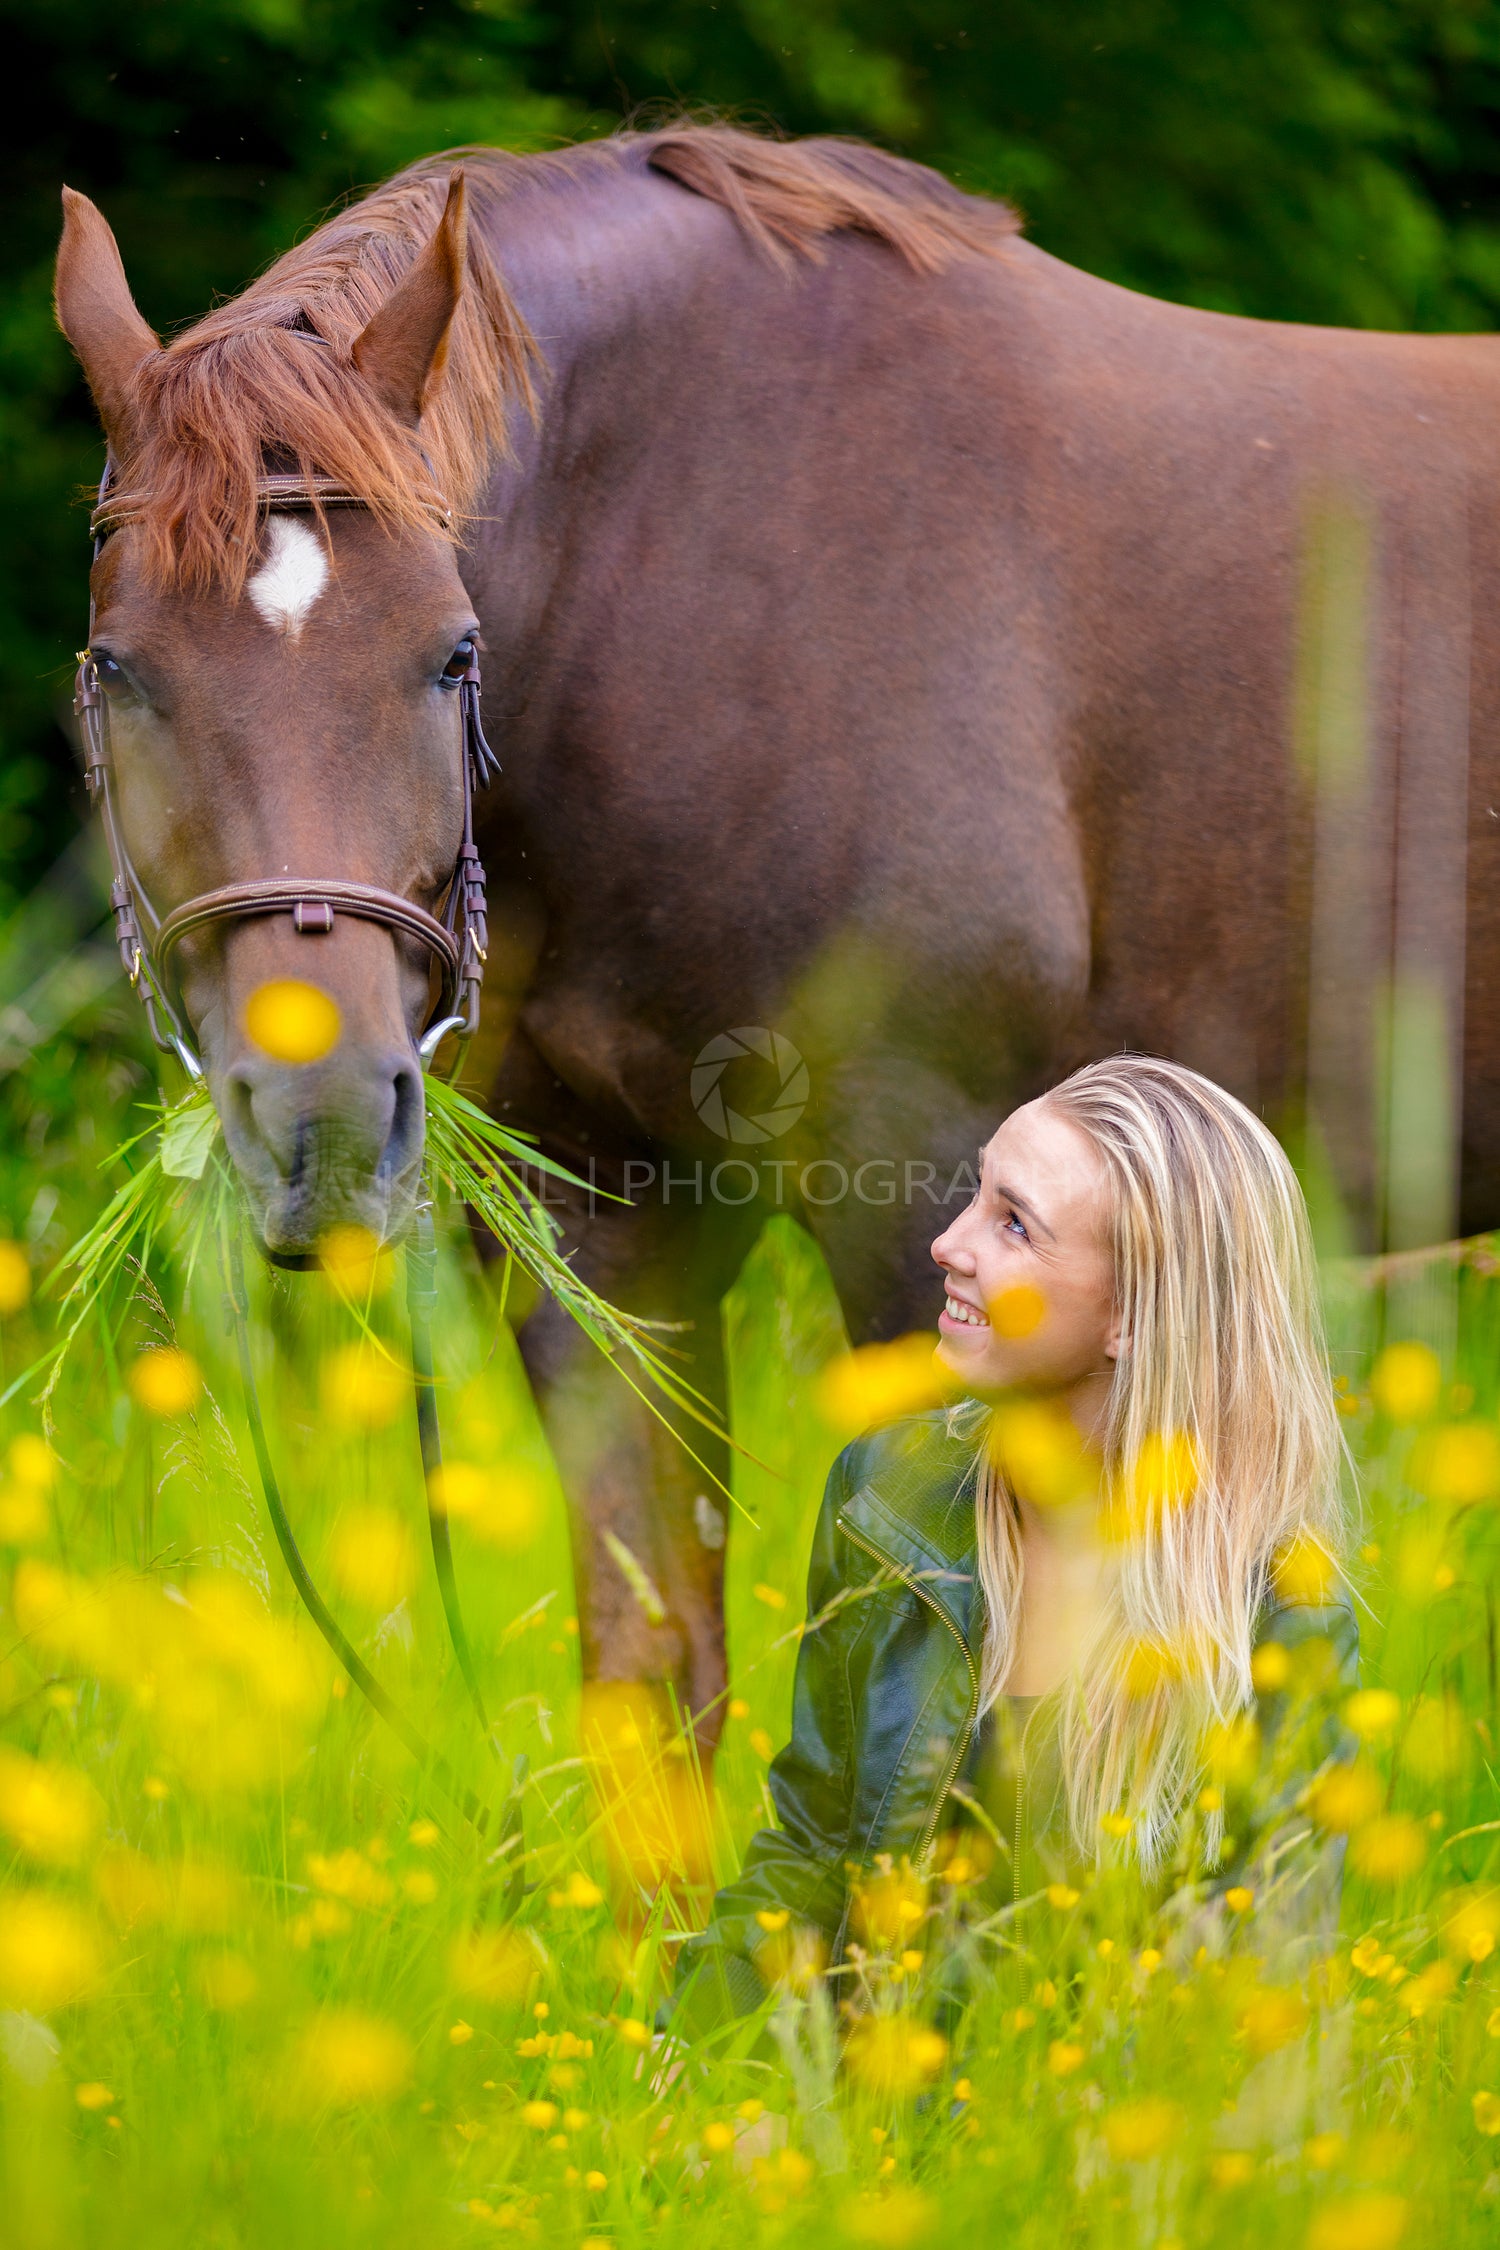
x=408, y=1121
x=238, y=1105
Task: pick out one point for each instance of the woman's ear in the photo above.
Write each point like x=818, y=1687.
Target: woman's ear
x=1117, y=1338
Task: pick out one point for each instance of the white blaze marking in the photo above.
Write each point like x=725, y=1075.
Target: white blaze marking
x=292, y=576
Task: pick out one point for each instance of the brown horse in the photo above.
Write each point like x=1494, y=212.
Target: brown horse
x=910, y=659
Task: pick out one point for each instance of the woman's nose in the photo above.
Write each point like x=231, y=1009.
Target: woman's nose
x=949, y=1253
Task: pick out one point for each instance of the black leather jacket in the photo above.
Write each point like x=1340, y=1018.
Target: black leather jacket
x=886, y=1700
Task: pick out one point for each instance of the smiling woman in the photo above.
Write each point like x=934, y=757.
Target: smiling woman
x=1094, y=1610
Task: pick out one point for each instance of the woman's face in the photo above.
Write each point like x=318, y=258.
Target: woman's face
x=1030, y=1301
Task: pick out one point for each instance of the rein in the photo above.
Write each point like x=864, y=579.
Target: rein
x=457, y=942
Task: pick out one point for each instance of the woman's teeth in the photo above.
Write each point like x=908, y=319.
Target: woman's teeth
x=964, y=1313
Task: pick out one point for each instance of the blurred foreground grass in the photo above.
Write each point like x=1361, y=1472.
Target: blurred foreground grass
x=256, y=1984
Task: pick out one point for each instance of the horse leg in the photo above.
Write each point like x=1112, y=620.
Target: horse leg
x=645, y=1480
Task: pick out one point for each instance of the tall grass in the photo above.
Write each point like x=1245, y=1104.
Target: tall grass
x=260, y=1986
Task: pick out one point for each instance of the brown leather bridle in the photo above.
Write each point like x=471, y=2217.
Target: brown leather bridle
x=456, y=940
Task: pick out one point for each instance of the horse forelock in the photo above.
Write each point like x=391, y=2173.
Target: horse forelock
x=268, y=380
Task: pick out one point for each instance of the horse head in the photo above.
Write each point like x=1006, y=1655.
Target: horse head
x=281, y=692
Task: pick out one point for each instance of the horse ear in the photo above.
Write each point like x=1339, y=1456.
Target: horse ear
x=402, y=348
x=98, y=315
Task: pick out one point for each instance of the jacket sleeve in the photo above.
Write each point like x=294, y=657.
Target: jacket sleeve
x=796, y=1869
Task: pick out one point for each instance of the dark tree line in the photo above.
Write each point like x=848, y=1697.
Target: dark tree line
x=1289, y=158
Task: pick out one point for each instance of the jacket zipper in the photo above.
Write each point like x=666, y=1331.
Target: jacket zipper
x=961, y=1739
x=1015, y=1865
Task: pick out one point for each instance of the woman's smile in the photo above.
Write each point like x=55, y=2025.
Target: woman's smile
x=958, y=1313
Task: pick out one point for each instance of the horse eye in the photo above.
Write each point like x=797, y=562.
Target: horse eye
x=459, y=662
x=110, y=675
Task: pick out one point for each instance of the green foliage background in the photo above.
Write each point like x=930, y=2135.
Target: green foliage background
x=1286, y=158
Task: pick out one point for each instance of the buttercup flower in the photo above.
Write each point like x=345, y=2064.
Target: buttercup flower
x=292, y=1021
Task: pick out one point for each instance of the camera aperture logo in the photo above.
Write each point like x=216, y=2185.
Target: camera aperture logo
x=766, y=1077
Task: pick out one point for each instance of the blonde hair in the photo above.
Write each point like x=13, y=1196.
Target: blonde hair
x=1223, y=1369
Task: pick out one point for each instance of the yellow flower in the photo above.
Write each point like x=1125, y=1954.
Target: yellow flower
x=738, y=1707
x=1374, y=2221
x=372, y=1555
x=1419, y=1995
x=1163, y=1477
x=893, y=2220
x=355, y=1262
x=166, y=1382
x=1040, y=1452
x=1406, y=1382
x=771, y=1596
x=346, y=2056
x=1487, y=2112
x=1064, y=2057
x=1148, y=1665
x=540, y=2116
x=25, y=1519
x=893, y=2055
x=291, y=1021
x=1346, y=1797
x=50, y=1811
x=718, y=2138
x=1373, y=1712
x=772, y=1918
x=1017, y=1312
x=1303, y=1570
x=580, y=1891
x=1471, y=1924
x=1238, y=1899
x=15, y=1278
x=32, y=1462
x=880, y=1382
x=363, y=1387
x=761, y=1743
x=888, y=1905
x=93, y=2094
x=1324, y=2150
x=634, y=2032
x=1140, y=2130
x=1270, y=1668
x=1457, y=1464
x=1062, y=1896
x=504, y=1508
x=1272, y=2018
x=226, y=1981
x=48, y=1954
x=1117, y=1824
x=595, y=2182
x=1389, y=1848
x=1232, y=2168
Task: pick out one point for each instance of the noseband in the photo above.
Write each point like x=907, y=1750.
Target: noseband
x=456, y=940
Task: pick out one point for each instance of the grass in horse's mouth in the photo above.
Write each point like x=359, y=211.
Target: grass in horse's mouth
x=182, y=1187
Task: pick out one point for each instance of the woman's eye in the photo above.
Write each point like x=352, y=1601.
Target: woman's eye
x=1012, y=1224
x=459, y=662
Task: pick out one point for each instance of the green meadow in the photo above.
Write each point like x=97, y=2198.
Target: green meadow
x=261, y=1982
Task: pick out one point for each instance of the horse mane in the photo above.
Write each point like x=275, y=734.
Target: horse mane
x=267, y=379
